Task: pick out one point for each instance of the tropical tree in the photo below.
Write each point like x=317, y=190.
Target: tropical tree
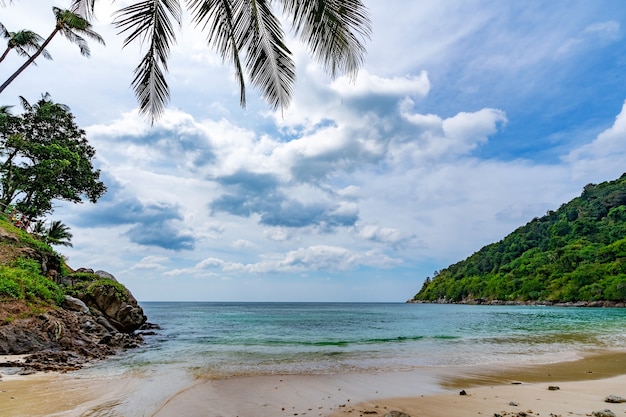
x=22, y=42
x=44, y=157
x=247, y=34
x=58, y=234
x=69, y=24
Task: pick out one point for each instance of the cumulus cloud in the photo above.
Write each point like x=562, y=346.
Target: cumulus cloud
x=439, y=138
x=150, y=263
x=313, y=258
x=605, y=153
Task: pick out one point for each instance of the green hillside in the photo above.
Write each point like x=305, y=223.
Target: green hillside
x=576, y=253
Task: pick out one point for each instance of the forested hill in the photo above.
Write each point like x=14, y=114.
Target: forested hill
x=577, y=253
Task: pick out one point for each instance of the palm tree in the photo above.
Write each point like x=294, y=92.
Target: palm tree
x=334, y=31
x=22, y=42
x=58, y=234
x=70, y=25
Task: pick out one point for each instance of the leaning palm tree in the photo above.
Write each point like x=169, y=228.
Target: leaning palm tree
x=58, y=234
x=70, y=25
x=246, y=33
x=22, y=42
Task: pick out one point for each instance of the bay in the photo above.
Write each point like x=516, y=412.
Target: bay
x=218, y=340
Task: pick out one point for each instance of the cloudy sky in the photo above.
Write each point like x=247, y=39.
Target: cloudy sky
x=468, y=119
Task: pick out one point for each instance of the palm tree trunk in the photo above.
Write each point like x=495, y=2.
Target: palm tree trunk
x=4, y=55
x=30, y=60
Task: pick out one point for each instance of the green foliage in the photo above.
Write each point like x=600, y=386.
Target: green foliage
x=89, y=284
x=577, y=253
x=57, y=234
x=26, y=239
x=44, y=156
x=23, y=281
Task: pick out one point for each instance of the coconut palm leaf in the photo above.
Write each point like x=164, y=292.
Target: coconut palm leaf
x=23, y=42
x=248, y=35
x=333, y=30
x=150, y=22
x=58, y=234
x=217, y=17
x=71, y=25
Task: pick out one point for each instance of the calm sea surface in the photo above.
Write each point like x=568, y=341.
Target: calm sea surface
x=227, y=339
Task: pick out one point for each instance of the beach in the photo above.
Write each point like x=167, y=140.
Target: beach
x=582, y=386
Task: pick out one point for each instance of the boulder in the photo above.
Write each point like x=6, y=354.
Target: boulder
x=104, y=274
x=74, y=304
x=115, y=303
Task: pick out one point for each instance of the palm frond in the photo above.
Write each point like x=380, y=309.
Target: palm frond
x=77, y=40
x=4, y=32
x=218, y=17
x=333, y=30
x=84, y=8
x=26, y=40
x=268, y=60
x=71, y=24
x=25, y=104
x=150, y=22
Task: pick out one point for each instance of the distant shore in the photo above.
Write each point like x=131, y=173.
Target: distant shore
x=582, y=386
x=484, y=301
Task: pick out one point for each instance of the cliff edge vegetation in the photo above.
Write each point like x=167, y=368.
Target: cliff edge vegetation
x=574, y=254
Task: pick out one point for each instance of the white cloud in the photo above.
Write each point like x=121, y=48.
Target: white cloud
x=603, y=156
x=367, y=84
x=151, y=262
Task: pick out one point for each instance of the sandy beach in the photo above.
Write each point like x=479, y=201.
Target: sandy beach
x=582, y=385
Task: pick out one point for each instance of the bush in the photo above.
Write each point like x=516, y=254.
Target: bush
x=23, y=281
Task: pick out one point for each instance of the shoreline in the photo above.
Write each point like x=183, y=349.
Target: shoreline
x=429, y=391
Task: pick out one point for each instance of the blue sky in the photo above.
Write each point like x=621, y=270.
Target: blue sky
x=467, y=120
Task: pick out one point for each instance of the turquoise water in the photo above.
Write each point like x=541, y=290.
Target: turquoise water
x=227, y=339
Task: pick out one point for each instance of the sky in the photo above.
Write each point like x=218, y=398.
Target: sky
x=467, y=120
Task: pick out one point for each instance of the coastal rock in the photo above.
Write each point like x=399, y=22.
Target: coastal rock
x=614, y=399
x=603, y=413
x=98, y=322
x=111, y=300
x=396, y=414
x=74, y=304
x=104, y=274
x=124, y=314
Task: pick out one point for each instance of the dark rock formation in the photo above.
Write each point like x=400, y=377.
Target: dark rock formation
x=97, y=322
x=603, y=413
x=396, y=414
x=107, y=298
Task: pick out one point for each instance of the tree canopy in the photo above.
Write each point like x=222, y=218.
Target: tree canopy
x=44, y=156
x=576, y=253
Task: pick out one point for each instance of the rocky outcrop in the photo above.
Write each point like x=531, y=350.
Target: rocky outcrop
x=107, y=298
x=98, y=320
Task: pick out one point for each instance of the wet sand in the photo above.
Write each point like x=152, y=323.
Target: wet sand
x=432, y=392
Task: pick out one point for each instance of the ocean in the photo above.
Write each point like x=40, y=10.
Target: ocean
x=221, y=340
